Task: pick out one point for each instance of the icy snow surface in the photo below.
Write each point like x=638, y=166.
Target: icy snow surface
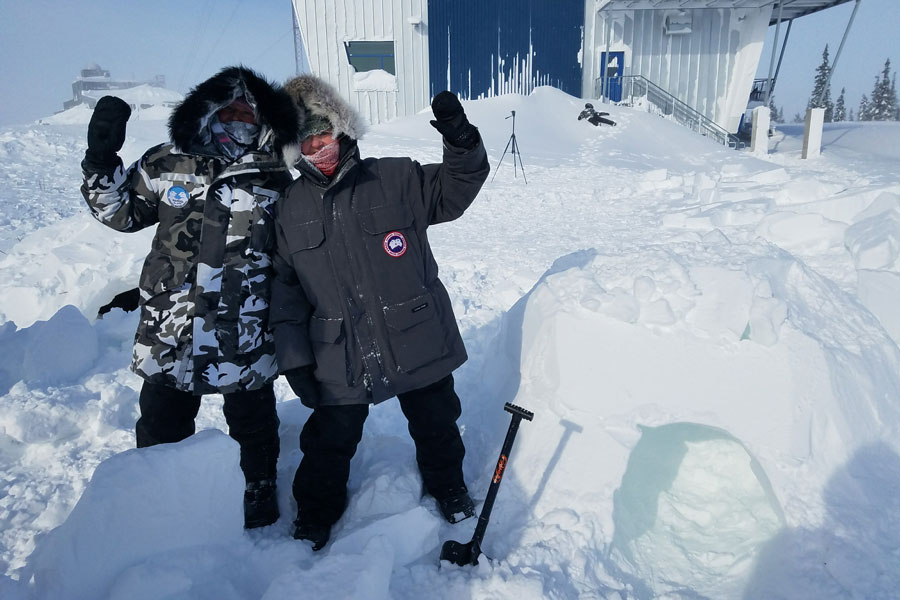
x=708, y=340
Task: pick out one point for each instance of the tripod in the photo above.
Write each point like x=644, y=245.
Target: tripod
x=515, y=151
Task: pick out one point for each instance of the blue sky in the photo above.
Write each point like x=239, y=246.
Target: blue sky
x=44, y=43
x=873, y=38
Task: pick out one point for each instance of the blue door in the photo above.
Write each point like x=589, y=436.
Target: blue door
x=611, y=80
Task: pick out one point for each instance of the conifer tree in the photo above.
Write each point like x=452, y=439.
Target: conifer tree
x=850, y=115
x=863, y=114
x=883, y=105
x=840, y=112
x=892, y=96
x=775, y=114
x=821, y=94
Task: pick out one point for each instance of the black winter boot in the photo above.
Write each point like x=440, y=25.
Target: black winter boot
x=315, y=533
x=457, y=507
x=260, y=504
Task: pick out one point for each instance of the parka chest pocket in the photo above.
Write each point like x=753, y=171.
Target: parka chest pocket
x=391, y=237
x=304, y=236
x=387, y=218
x=302, y=241
x=181, y=191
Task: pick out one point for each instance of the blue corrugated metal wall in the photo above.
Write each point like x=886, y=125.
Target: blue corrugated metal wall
x=472, y=34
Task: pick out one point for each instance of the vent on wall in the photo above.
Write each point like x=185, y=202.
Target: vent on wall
x=677, y=23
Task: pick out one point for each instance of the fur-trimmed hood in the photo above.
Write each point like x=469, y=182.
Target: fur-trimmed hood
x=280, y=122
x=315, y=97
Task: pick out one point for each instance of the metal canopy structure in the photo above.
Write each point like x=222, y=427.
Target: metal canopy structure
x=790, y=9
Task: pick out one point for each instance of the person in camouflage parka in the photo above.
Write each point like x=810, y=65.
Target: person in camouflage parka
x=205, y=284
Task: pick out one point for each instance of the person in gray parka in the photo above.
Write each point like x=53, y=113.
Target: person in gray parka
x=204, y=287
x=358, y=312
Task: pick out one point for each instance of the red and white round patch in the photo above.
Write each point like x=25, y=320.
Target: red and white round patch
x=394, y=244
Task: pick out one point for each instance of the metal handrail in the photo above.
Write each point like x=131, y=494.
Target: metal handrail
x=638, y=86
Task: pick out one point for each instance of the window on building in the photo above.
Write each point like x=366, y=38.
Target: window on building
x=368, y=56
x=678, y=23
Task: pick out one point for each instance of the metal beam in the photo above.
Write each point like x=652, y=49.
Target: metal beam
x=838, y=55
x=787, y=34
x=792, y=8
x=769, y=82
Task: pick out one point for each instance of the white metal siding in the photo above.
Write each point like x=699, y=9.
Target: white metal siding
x=711, y=69
x=327, y=24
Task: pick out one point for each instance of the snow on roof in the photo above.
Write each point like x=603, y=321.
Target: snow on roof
x=141, y=94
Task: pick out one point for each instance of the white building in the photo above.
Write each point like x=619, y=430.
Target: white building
x=694, y=59
x=94, y=82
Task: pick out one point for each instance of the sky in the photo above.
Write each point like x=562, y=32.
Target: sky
x=45, y=43
x=872, y=39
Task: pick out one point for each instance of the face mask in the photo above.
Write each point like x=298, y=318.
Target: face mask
x=326, y=159
x=242, y=133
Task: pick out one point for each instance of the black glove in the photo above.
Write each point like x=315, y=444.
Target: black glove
x=451, y=121
x=305, y=385
x=106, y=131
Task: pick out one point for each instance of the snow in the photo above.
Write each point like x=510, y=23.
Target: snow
x=140, y=94
x=708, y=340
x=376, y=80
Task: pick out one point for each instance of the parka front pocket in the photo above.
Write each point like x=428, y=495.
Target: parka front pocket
x=329, y=346
x=416, y=335
x=166, y=319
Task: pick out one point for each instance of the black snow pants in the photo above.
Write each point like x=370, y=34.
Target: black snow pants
x=167, y=415
x=331, y=434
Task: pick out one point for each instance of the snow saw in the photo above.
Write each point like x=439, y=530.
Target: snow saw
x=467, y=554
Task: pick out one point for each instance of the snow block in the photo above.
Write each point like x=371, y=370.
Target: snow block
x=878, y=291
x=59, y=350
x=139, y=504
x=874, y=241
x=693, y=512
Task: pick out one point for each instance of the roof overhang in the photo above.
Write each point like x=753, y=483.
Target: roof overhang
x=792, y=9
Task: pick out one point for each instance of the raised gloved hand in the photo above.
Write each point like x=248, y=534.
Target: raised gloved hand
x=305, y=385
x=451, y=121
x=106, y=131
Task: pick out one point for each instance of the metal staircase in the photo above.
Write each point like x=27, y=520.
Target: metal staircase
x=662, y=102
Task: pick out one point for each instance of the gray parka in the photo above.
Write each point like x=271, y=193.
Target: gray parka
x=205, y=283
x=356, y=290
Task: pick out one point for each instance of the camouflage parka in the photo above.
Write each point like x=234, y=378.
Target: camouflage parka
x=205, y=285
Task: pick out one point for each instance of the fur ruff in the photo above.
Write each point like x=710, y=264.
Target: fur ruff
x=318, y=97
x=275, y=111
